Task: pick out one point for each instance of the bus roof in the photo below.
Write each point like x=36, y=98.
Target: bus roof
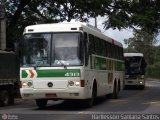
x=69, y=27
x=133, y=54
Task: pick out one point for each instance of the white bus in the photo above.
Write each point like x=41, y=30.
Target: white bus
x=134, y=69
x=69, y=61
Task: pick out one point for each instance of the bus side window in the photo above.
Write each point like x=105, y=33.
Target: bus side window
x=97, y=43
x=86, y=48
x=109, y=50
x=121, y=53
x=100, y=47
x=103, y=48
x=116, y=52
x=91, y=44
x=113, y=51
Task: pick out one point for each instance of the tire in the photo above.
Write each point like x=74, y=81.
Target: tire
x=89, y=102
x=11, y=97
x=4, y=98
x=41, y=103
x=142, y=87
x=125, y=87
x=114, y=95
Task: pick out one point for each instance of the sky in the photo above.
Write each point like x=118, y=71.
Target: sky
x=114, y=34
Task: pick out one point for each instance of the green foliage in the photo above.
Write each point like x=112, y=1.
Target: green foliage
x=21, y=13
x=153, y=71
x=120, y=13
x=131, y=13
x=146, y=14
x=145, y=43
x=119, y=16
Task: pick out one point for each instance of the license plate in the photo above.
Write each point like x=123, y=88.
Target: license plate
x=51, y=95
x=129, y=81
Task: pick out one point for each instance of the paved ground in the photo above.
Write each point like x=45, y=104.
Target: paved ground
x=132, y=104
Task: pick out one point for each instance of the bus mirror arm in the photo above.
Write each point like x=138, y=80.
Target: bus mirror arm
x=58, y=60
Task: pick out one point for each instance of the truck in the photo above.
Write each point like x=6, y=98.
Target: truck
x=134, y=69
x=9, y=81
x=9, y=65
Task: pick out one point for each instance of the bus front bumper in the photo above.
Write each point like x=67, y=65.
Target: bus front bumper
x=75, y=93
x=135, y=82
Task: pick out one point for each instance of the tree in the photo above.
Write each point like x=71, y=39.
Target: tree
x=140, y=43
x=143, y=14
x=13, y=18
x=131, y=13
x=21, y=13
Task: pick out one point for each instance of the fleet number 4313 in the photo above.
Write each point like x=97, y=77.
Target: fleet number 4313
x=71, y=74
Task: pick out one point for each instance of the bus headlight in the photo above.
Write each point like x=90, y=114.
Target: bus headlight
x=140, y=82
x=74, y=83
x=27, y=84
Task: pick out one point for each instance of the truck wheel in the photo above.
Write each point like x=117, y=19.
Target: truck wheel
x=4, y=98
x=11, y=96
x=41, y=103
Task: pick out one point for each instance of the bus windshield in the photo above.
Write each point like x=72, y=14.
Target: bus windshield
x=51, y=49
x=36, y=49
x=66, y=47
x=135, y=65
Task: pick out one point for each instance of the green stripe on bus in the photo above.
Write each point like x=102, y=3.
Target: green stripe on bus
x=24, y=74
x=100, y=63
x=55, y=73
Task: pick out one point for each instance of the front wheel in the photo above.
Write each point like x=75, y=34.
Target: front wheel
x=41, y=103
x=90, y=102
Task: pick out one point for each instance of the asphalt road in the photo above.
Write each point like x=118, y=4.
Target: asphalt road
x=133, y=104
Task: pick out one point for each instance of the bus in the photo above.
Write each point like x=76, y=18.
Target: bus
x=69, y=60
x=135, y=69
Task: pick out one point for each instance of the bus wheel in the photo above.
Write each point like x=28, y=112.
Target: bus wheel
x=90, y=102
x=4, y=98
x=114, y=95
x=41, y=103
x=142, y=87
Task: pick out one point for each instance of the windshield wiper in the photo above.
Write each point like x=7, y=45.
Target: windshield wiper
x=35, y=67
x=64, y=65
